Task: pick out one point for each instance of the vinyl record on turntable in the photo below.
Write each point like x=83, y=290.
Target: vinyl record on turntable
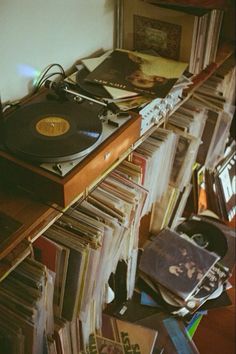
x=52, y=131
x=205, y=235
x=88, y=87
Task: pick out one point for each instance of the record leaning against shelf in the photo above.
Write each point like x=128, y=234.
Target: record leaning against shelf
x=52, y=131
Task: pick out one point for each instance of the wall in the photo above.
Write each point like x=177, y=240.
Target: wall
x=34, y=34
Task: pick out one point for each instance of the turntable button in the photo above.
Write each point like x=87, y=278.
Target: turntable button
x=123, y=115
x=113, y=123
x=107, y=155
x=191, y=304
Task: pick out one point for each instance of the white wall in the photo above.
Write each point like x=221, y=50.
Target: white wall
x=37, y=33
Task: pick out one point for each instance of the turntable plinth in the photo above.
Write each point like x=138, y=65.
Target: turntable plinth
x=64, y=190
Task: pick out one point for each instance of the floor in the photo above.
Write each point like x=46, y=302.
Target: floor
x=216, y=332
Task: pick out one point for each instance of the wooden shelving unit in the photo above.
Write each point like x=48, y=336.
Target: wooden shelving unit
x=35, y=215
x=46, y=214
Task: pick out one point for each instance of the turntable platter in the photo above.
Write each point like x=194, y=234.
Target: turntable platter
x=52, y=131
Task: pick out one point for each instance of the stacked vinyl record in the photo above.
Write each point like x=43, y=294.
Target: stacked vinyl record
x=183, y=268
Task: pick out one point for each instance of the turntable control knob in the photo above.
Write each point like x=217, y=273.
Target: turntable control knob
x=191, y=304
x=155, y=119
x=169, y=106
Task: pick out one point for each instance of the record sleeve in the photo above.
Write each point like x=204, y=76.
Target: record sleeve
x=89, y=88
x=176, y=263
x=141, y=73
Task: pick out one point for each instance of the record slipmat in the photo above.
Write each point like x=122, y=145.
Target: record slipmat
x=52, y=131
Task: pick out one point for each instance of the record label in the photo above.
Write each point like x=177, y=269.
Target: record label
x=52, y=126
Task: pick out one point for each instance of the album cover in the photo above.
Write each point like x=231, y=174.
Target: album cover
x=24, y=301
x=77, y=265
x=207, y=137
x=226, y=176
x=162, y=210
x=176, y=263
x=189, y=118
x=114, y=92
x=160, y=143
x=138, y=72
x=219, y=138
x=172, y=335
x=212, y=283
x=210, y=288
x=186, y=151
x=130, y=170
x=55, y=256
x=119, y=337
x=63, y=339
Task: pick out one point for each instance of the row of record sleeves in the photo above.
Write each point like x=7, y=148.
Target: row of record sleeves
x=174, y=31
x=83, y=247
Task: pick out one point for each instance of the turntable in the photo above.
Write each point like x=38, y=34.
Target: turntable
x=56, y=148
x=152, y=111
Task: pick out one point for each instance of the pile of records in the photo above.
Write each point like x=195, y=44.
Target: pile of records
x=131, y=80
x=182, y=269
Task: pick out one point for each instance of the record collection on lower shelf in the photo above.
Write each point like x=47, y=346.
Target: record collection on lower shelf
x=84, y=275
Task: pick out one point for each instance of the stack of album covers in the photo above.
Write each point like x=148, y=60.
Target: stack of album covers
x=26, y=316
x=84, y=246
x=187, y=123
x=132, y=80
x=203, y=125
x=217, y=94
x=215, y=189
x=182, y=269
x=146, y=166
x=156, y=170
x=224, y=178
x=98, y=236
x=137, y=72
